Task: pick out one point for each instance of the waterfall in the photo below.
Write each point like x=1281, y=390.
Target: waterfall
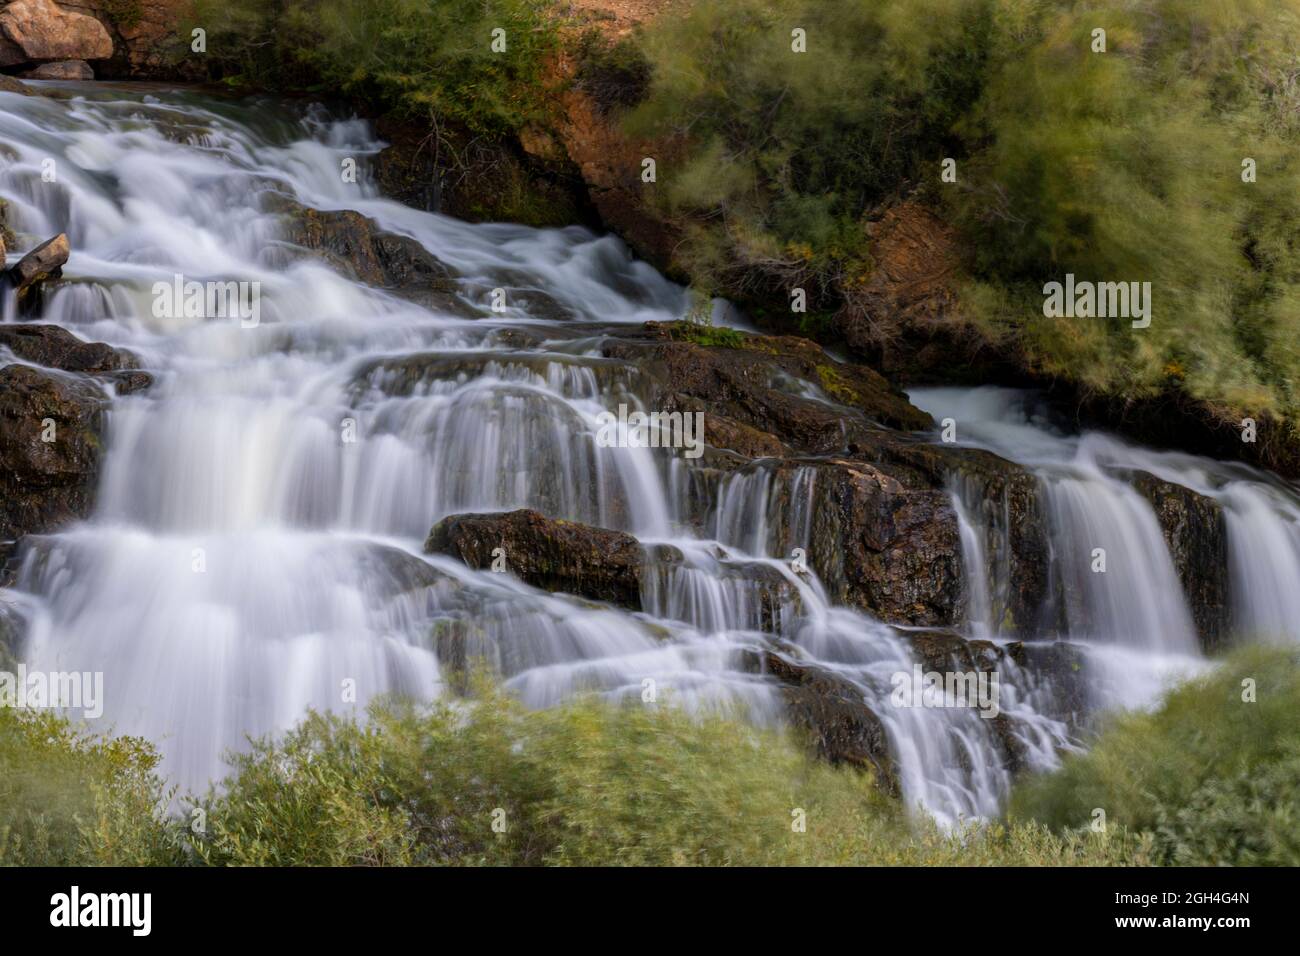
x=255, y=550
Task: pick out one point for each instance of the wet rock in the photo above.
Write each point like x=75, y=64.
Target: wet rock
x=1062, y=666
x=56, y=347
x=44, y=31
x=354, y=245
x=9, y=85
x=1197, y=536
x=1005, y=499
x=940, y=650
x=761, y=383
x=62, y=70
x=835, y=712
x=50, y=446
x=548, y=553
x=879, y=546
x=46, y=261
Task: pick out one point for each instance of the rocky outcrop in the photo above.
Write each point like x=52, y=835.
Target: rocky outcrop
x=891, y=551
x=41, y=31
x=1197, y=536
x=50, y=427
x=548, y=553
x=56, y=347
x=758, y=383
x=356, y=246
x=834, y=712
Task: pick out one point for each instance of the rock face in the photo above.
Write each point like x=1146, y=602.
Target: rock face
x=1197, y=535
x=49, y=448
x=835, y=713
x=893, y=552
x=548, y=553
x=56, y=347
x=51, y=424
x=43, y=32
x=62, y=70
x=354, y=245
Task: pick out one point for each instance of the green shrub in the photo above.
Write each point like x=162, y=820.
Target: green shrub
x=413, y=56
x=586, y=784
x=1214, y=779
x=1127, y=166
x=785, y=151
x=68, y=799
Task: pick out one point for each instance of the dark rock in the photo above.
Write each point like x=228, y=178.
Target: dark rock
x=1061, y=665
x=56, y=347
x=1197, y=535
x=548, y=553
x=1006, y=499
x=881, y=547
x=44, y=262
x=760, y=384
x=835, y=712
x=354, y=244
x=46, y=483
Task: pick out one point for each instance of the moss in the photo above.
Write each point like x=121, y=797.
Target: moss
x=834, y=385
x=712, y=336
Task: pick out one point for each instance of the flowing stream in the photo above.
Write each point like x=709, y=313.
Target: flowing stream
x=256, y=547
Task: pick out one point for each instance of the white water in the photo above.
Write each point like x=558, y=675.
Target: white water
x=245, y=560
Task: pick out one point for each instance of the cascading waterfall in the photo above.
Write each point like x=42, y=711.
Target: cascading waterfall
x=257, y=537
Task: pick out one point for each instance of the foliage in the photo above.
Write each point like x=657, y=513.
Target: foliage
x=584, y=784
x=1215, y=779
x=785, y=150
x=1123, y=165
x=429, y=59
x=68, y=799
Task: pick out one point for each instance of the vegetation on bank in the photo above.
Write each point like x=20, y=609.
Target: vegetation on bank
x=1213, y=775
x=1205, y=779
x=1122, y=165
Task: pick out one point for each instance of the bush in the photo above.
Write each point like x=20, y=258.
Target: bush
x=1214, y=779
x=785, y=151
x=583, y=784
x=1127, y=166
x=412, y=56
x=68, y=799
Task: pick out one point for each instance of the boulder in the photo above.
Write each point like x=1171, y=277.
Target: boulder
x=834, y=711
x=757, y=382
x=62, y=70
x=548, y=553
x=44, y=262
x=1197, y=535
x=888, y=550
x=50, y=446
x=44, y=31
x=355, y=245
x=56, y=347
